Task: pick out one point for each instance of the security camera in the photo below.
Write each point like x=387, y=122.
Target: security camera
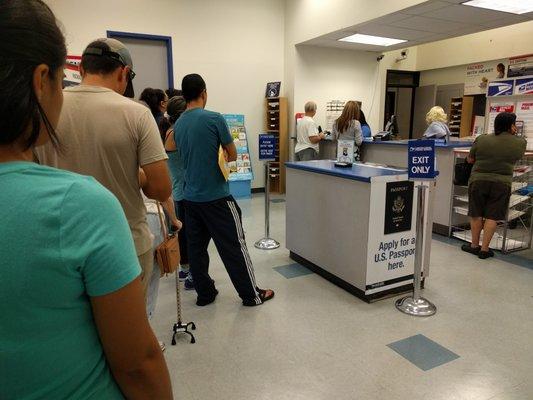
x=403, y=56
x=380, y=57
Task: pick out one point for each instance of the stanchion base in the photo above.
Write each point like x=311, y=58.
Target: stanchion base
x=419, y=308
x=266, y=244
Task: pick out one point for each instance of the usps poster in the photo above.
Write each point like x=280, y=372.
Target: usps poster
x=524, y=86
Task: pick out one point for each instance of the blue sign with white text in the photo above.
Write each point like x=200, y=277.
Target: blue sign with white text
x=501, y=88
x=267, y=147
x=421, y=161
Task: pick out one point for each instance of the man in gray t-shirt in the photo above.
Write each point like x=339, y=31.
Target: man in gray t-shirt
x=113, y=139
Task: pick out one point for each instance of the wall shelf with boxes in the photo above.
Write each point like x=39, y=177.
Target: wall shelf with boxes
x=276, y=123
x=460, y=118
x=515, y=232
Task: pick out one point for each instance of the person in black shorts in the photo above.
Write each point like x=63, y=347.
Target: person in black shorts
x=489, y=186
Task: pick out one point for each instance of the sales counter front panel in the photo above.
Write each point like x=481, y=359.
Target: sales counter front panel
x=394, y=153
x=354, y=226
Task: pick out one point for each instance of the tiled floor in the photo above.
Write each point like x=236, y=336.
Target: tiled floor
x=315, y=341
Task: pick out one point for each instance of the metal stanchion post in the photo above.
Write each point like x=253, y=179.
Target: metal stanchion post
x=267, y=243
x=416, y=305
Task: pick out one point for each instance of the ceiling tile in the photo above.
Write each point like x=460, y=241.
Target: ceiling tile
x=429, y=24
x=511, y=20
x=390, y=18
x=392, y=32
x=425, y=7
x=466, y=14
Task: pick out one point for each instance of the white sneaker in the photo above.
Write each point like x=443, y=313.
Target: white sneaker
x=162, y=345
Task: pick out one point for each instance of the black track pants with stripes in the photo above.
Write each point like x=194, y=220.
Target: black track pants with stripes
x=221, y=221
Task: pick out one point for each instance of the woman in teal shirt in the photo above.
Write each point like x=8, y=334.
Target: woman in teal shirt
x=74, y=324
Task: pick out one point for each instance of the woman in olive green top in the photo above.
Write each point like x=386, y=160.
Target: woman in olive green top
x=489, y=187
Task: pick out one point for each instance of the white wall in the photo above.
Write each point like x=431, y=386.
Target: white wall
x=324, y=74
x=443, y=76
x=494, y=44
x=237, y=45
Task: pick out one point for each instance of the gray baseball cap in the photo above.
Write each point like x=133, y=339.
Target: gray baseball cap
x=116, y=50
x=176, y=106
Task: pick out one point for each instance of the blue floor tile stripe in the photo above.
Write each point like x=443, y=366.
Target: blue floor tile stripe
x=513, y=258
x=423, y=352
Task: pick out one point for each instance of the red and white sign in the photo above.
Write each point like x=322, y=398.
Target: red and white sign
x=526, y=106
x=495, y=109
x=524, y=113
x=72, y=71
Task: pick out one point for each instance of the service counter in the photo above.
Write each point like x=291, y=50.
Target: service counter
x=394, y=153
x=354, y=226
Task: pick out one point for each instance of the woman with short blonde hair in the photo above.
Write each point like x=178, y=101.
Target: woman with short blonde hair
x=437, y=120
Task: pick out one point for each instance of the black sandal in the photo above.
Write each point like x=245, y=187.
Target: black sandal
x=263, y=296
x=469, y=249
x=485, y=254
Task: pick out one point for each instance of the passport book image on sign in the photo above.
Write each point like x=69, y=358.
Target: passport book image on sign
x=398, y=207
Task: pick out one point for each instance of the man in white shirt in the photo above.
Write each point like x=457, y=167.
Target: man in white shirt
x=307, y=135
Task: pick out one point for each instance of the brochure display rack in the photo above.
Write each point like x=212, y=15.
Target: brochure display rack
x=512, y=95
x=241, y=174
x=276, y=123
x=515, y=232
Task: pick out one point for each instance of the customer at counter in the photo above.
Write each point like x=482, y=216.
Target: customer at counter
x=365, y=128
x=437, y=121
x=489, y=186
x=348, y=127
x=307, y=135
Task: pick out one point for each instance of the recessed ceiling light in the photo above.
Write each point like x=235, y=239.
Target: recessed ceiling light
x=510, y=6
x=368, y=39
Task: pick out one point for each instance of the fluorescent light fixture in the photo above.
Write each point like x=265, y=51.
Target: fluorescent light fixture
x=368, y=39
x=510, y=6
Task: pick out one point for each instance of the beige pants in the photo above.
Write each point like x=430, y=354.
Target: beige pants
x=147, y=267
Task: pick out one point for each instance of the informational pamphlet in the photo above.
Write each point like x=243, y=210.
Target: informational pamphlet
x=240, y=170
x=497, y=108
x=345, y=150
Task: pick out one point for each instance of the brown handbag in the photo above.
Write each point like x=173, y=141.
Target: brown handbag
x=167, y=253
